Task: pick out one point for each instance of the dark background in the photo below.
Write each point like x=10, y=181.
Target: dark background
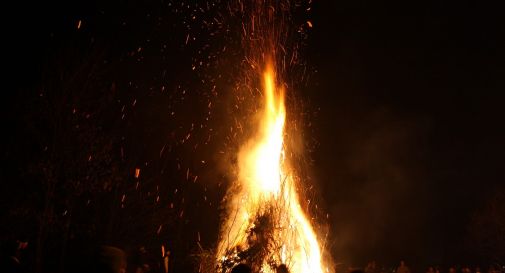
x=411, y=115
x=403, y=114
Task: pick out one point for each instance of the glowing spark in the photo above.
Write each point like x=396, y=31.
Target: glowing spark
x=266, y=179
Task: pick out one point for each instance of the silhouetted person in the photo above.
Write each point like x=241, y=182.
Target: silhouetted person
x=140, y=261
x=282, y=269
x=430, y=270
x=402, y=268
x=466, y=269
x=241, y=268
x=371, y=267
x=108, y=259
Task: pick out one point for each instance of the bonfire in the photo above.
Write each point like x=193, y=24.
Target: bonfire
x=265, y=226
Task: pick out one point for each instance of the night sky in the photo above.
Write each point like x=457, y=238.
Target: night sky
x=412, y=119
x=402, y=111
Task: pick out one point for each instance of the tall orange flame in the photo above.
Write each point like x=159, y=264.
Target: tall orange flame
x=267, y=186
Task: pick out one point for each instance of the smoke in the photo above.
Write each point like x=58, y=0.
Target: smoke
x=369, y=170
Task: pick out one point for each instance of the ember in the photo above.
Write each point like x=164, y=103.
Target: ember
x=266, y=227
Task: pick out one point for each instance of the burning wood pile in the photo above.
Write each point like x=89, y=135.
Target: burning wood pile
x=265, y=226
x=261, y=245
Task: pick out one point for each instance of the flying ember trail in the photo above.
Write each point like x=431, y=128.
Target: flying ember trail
x=266, y=227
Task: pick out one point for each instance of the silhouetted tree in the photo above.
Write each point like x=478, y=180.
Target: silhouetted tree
x=487, y=229
x=72, y=121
